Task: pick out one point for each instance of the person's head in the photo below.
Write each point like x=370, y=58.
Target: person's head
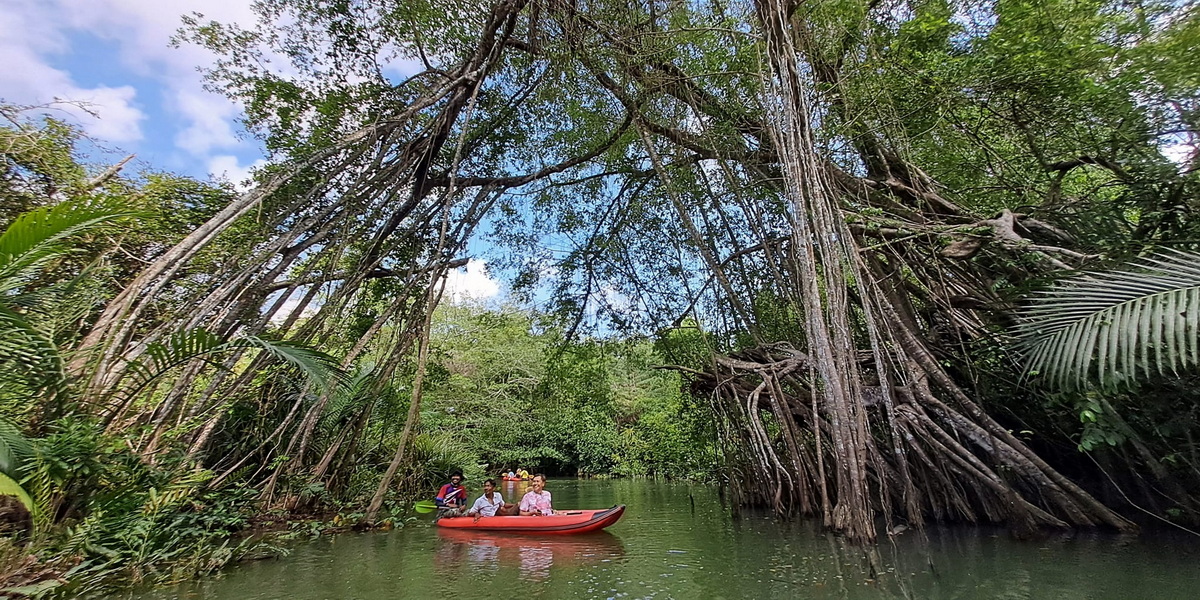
x=489, y=485
x=539, y=482
x=456, y=478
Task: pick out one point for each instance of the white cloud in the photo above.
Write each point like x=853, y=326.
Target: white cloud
x=210, y=119
x=33, y=32
x=115, y=117
x=471, y=283
x=27, y=39
x=142, y=30
x=228, y=167
x=136, y=37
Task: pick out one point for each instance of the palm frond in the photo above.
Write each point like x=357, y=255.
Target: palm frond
x=38, y=236
x=173, y=351
x=10, y=487
x=439, y=455
x=190, y=344
x=1116, y=326
x=321, y=368
x=34, y=354
x=15, y=448
x=349, y=398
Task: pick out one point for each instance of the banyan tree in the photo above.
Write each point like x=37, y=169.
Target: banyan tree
x=838, y=195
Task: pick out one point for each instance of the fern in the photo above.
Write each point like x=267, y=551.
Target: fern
x=15, y=448
x=33, y=353
x=1116, y=326
x=173, y=495
x=31, y=241
x=184, y=346
x=40, y=236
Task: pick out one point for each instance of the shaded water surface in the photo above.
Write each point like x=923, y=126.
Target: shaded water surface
x=675, y=541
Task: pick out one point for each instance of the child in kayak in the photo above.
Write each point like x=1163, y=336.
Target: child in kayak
x=537, y=499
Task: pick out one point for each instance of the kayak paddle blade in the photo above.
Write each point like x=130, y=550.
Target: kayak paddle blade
x=425, y=506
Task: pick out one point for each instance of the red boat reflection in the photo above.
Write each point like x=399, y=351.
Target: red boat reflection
x=534, y=555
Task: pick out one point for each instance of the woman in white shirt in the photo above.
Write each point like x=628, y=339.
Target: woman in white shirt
x=487, y=504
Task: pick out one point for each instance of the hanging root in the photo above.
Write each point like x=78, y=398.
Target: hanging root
x=928, y=461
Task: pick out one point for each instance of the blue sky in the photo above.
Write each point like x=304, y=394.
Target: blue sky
x=114, y=56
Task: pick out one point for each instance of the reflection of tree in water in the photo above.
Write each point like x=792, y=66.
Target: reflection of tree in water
x=532, y=555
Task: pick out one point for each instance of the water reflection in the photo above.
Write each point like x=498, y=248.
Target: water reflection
x=662, y=548
x=533, y=555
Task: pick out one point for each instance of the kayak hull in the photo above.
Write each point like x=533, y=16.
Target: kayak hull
x=565, y=522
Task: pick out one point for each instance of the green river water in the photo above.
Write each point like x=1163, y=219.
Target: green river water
x=676, y=541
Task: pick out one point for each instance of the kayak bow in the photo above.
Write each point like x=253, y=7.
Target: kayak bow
x=570, y=521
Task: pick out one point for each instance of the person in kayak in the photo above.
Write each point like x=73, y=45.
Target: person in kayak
x=452, y=497
x=490, y=504
x=536, y=500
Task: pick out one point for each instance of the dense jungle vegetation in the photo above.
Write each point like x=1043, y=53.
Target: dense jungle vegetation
x=786, y=246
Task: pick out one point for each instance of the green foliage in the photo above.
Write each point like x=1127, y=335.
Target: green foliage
x=15, y=448
x=1062, y=109
x=1059, y=110
x=9, y=487
x=1116, y=324
x=179, y=530
x=40, y=235
x=32, y=241
x=56, y=268
x=517, y=396
x=125, y=520
x=439, y=454
x=183, y=346
x=15, y=452
x=38, y=162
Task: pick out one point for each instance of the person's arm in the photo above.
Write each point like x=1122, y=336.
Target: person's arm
x=478, y=506
x=527, y=508
x=440, y=500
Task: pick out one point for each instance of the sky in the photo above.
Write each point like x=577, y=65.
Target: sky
x=108, y=66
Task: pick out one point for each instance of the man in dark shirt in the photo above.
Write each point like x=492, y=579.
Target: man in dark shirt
x=452, y=498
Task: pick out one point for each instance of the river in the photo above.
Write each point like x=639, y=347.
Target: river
x=675, y=541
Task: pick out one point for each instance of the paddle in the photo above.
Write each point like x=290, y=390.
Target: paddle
x=425, y=506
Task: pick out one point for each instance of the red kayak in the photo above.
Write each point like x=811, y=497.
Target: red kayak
x=570, y=521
